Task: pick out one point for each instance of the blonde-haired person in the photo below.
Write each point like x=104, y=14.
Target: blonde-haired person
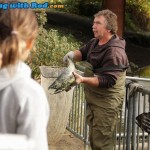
x=23, y=104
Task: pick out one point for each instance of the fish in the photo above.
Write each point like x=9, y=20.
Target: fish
x=66, y=80
x=84, y=67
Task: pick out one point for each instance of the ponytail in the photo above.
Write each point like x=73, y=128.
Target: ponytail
x=11, y=49
x=16, y=28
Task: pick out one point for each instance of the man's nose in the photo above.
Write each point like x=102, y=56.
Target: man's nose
x=93, y=26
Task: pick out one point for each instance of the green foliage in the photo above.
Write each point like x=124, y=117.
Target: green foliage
x=134, y=70
x=139, y=11
x=129, y=24
x=83, y=7
x=50, y=47
x=49, y=1
x=41, y=18
x=144, y=72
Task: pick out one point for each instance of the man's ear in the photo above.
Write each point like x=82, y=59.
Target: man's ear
x=29, y=44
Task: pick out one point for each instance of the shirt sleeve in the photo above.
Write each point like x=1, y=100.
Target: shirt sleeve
x=108, y=80
x=115, y=56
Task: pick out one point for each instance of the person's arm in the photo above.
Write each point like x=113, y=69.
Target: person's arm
x=81, y=53
x=93, y=81
x=77, y=55
x=115, y=56
x=74, y=55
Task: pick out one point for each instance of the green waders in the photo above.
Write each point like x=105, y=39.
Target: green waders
x=103, y=107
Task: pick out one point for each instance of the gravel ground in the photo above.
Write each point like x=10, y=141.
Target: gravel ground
x=69, y=142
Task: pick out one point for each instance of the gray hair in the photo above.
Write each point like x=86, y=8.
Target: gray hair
x=111, y=20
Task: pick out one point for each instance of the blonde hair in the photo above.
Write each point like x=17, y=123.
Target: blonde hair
x=111, y=20
x=17, y=26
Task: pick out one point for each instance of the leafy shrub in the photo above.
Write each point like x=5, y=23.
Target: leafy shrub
x=139, y=12
x=50, y=47
x=130, y=24
x=83, y=7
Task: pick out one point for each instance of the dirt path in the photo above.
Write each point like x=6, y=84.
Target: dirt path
x=69, y=142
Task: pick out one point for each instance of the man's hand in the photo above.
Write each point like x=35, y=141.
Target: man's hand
x=78, y=78
x=70, y=55
x=92, y=81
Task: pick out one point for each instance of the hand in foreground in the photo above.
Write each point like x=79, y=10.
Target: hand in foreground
x=78, y=78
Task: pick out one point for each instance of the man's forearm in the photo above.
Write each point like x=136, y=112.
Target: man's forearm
x=93, y=81
x=77, y=55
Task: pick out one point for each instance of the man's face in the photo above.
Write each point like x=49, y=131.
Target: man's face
x=99, y=27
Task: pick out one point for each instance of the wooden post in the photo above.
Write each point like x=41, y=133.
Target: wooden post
x=118, y=7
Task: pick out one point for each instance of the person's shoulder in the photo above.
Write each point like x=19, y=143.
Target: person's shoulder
x=26, y=81
x=116, y=42
x=28, y=87
x=93, y=40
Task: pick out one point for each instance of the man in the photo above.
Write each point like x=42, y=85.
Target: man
x=104, y=92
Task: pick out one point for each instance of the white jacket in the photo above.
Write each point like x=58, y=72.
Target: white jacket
x=23, y=106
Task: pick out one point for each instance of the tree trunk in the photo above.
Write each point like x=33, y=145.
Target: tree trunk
x=118, y=7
